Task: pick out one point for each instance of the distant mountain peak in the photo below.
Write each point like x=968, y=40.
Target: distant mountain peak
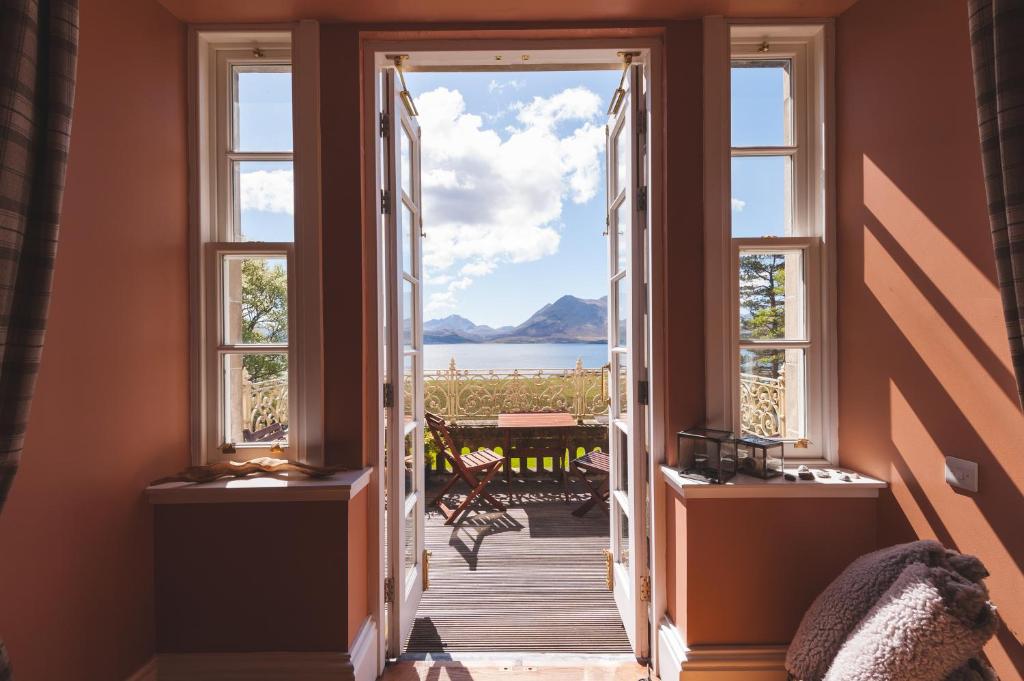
x=568, y=319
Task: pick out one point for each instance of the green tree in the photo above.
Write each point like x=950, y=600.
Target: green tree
x=762, y=306
x=264, y=315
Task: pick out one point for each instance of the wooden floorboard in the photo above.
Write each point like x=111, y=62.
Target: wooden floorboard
x=531, y=579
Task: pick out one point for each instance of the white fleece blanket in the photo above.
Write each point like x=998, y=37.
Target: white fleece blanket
x=844, y=603
x=928, y=624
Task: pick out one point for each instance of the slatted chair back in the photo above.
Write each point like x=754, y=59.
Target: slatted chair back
x=443, y=438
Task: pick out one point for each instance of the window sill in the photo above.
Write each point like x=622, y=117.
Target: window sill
x=264, y=488
x=747, y=487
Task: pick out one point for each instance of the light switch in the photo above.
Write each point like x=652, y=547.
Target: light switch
x=961, y=473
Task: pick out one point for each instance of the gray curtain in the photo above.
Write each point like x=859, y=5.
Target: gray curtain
x=997, y=46
x=38, y=56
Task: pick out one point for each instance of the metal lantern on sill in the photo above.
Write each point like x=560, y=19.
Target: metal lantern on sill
x=707, y=454
x=760, y=457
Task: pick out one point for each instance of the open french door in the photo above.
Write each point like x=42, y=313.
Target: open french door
x=626, y=158
x=403, y=283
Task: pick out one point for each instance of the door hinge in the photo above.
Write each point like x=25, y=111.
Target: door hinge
x=389, y=396
x=427, y=553
x=643, y=392
x=645, y=589
x=385, y=201
x=385, y=124
x=641, y=199
x=389, y=590
x=641, y=124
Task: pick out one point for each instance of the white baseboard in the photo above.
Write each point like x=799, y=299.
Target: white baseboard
x=677, y=662
x=147, y=672
x=358, y=664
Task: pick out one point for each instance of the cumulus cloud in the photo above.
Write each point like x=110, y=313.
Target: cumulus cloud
x=267, y=190
x=738, y=204
x=496, y=87
x=489, y=200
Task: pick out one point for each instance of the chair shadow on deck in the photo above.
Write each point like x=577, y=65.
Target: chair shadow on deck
x=477, y=528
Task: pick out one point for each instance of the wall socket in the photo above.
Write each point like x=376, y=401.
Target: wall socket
x=962, y=474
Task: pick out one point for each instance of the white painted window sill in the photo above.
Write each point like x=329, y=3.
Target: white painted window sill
x=747, y=487
x=262, y=488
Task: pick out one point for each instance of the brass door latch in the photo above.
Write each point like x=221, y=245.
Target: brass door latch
x=427, y=553
x=608, y=579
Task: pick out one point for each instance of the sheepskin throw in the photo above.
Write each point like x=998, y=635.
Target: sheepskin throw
x=926, y=625
x=844, y=603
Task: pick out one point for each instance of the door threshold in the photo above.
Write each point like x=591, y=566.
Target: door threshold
x=525, y=659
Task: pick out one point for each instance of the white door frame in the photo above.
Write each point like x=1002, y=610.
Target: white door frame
x=466, y=50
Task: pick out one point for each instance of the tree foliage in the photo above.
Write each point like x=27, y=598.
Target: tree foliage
x=762, y=306
x=264, y=315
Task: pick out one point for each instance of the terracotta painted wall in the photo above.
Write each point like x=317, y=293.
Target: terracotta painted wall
x=110, y=411
x=289, y=598
x=924, y=367
x=747, y=569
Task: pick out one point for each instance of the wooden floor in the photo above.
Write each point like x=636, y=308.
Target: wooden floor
x=514, y=671
x=531, y=579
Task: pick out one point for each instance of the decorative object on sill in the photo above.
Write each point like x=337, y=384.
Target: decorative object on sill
x=760, y=457
x=707, y=454
x=844, y=606
x=263, y=465
x=804, y=473
x=790, y=477
x=821, y=473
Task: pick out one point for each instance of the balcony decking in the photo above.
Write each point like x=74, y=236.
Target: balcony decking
x=529, y=580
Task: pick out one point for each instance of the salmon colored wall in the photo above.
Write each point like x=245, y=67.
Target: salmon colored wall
x=110, y=411
x=924, y=367
x=747, y=569
x=345, y=348
x=358, y=560
x=244, y=577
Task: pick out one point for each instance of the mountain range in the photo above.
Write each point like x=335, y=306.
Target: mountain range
x=567, y=320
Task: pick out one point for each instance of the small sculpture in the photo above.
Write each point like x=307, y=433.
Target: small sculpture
x=240, y=469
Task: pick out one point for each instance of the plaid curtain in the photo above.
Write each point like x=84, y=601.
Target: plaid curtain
x=38, y=56
x=997, y=46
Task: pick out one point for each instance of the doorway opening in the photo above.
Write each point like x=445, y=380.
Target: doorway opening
x=488, y=162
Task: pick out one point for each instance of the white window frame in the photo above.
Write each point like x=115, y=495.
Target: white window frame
x=806, y=46
x=215, y=229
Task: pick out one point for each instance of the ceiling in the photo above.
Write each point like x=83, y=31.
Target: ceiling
x=479, y=11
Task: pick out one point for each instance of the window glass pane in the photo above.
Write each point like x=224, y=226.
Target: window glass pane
x=255, y=302
x=622, y=155
x=771, y=296
x=761, y=196
x=623, y=224
x=623, y=538
x=410, y=540
x=409, y=399
x=772, y=389
x=621, y=460
x=265, y=203
x=410, y=460
x=255, y=392
x=408, y=313
x=405, y=150
x=761, y=103
x=407, y=226
x=621, y=312
x=264, y=109
x=622, y=382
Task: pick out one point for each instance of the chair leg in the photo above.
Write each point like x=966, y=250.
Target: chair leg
x=477, y=490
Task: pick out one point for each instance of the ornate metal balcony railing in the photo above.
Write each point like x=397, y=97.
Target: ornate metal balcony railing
x=265, y=403
x=763, y=405
x=484, y=393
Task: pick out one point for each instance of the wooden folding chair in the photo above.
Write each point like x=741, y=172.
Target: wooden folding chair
x=475, y=469
x=591, y=468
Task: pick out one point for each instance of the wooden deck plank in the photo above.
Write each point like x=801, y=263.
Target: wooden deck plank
x=529, y=580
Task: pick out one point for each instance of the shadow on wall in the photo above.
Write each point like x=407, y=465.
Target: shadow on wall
x=931, y=328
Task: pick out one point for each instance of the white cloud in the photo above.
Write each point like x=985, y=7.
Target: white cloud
x=488, y=200
x=267, y=190
x=738, y=204
x=495, y=86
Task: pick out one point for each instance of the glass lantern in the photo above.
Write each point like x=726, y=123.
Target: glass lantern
x=760, y=457
x=707, y=454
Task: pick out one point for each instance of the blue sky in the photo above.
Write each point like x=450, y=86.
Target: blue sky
x=514, y=193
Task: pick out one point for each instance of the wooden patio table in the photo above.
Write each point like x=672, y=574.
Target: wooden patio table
x=510, y=423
